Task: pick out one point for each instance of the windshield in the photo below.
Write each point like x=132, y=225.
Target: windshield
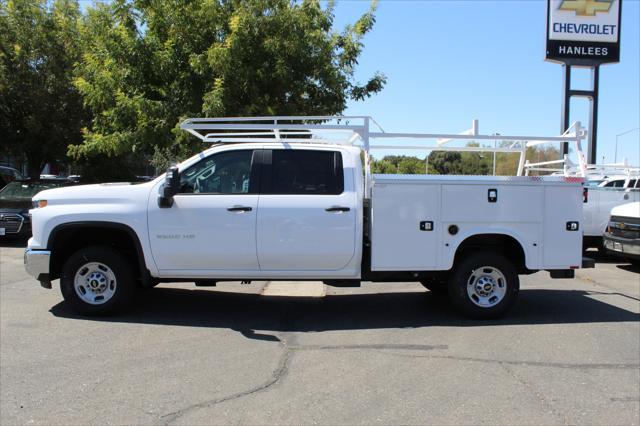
x=25, y=190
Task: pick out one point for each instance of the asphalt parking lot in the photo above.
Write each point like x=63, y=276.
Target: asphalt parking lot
x=569, y=353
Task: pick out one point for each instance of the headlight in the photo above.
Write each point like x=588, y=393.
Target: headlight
x=38, y=204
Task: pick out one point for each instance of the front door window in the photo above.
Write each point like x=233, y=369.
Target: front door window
x=223, y=173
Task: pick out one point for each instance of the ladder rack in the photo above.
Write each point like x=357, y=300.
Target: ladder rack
x=357, y=131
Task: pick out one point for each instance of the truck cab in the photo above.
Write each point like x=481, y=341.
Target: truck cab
x=290, y=212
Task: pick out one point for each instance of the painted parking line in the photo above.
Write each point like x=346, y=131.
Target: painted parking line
x=294, y=289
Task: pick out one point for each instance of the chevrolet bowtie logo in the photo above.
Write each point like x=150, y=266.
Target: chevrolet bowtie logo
x=586, y=7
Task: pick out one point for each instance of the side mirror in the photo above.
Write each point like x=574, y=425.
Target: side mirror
x=171, y=187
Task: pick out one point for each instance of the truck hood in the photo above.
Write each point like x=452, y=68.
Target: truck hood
x=627, y=210
x=94, y=194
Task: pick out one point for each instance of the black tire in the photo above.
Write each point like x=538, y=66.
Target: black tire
x=118, y=276
x=464, y=273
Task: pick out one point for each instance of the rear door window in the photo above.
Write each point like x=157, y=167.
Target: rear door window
x=619, y=183
x=305, y=172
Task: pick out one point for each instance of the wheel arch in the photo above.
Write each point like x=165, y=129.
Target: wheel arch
x=507, y=245
x=69, y=237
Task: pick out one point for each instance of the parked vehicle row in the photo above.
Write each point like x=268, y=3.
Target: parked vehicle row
x=604, y=192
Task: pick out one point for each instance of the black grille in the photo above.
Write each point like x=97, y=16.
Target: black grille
x=630, y=220
x=625, y=227
x=11, y=223
x=631, y=234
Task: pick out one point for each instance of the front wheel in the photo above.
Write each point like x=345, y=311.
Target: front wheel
x=97, y=281
x=484, y=285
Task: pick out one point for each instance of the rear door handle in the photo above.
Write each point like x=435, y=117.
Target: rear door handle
x=239, y=209
x=337, y=209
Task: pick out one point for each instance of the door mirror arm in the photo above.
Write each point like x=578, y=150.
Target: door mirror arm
x=171, y=187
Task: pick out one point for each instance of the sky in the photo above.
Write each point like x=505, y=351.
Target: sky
x=448, y=62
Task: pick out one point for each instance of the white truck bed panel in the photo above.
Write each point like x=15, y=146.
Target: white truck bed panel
x=532, y=210
x=396, y=214
x=562, y=204
x=525, y=203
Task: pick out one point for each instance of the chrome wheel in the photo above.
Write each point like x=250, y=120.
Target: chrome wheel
x=486, y=287
x=95, y=283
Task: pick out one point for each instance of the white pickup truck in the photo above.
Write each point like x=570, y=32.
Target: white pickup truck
x=273, y=201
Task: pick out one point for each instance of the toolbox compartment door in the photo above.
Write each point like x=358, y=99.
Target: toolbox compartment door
x=399, y=211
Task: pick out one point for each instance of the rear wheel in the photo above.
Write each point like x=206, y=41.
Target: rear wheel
x=97, y=281
x=484, y=285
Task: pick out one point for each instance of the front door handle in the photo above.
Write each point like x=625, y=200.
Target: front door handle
x=239, y=209
x=337, y=209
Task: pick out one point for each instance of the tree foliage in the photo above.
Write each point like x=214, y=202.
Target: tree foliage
x=462, y=163
x=401, y=164
x=147, y=64
x=40, y=109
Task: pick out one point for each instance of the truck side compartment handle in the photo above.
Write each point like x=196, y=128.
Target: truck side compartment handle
x=337, y=209
x=239, y=209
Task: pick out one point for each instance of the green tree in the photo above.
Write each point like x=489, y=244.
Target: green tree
x=40, y=109
x=445, y=163
x=402, y=164
x=383, y=167
x=507, y=163
x=412, y=166
x=149, y=64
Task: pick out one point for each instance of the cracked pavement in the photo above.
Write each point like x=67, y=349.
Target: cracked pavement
x=385, y=353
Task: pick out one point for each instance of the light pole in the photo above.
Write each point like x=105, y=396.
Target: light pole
x=617, y=136
x=495, y=144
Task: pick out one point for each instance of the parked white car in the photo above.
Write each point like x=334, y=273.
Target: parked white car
x=622, y=237
x=262, y=206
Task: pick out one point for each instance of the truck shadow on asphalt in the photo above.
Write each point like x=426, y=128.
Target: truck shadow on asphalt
x=247, y=313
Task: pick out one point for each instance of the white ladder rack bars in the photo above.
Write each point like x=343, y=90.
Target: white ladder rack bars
x=356, y=130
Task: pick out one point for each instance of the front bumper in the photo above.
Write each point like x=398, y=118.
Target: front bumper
x=36, y=263
x=622, y=246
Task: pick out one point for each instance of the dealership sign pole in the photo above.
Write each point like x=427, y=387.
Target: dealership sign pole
x=583, y=33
